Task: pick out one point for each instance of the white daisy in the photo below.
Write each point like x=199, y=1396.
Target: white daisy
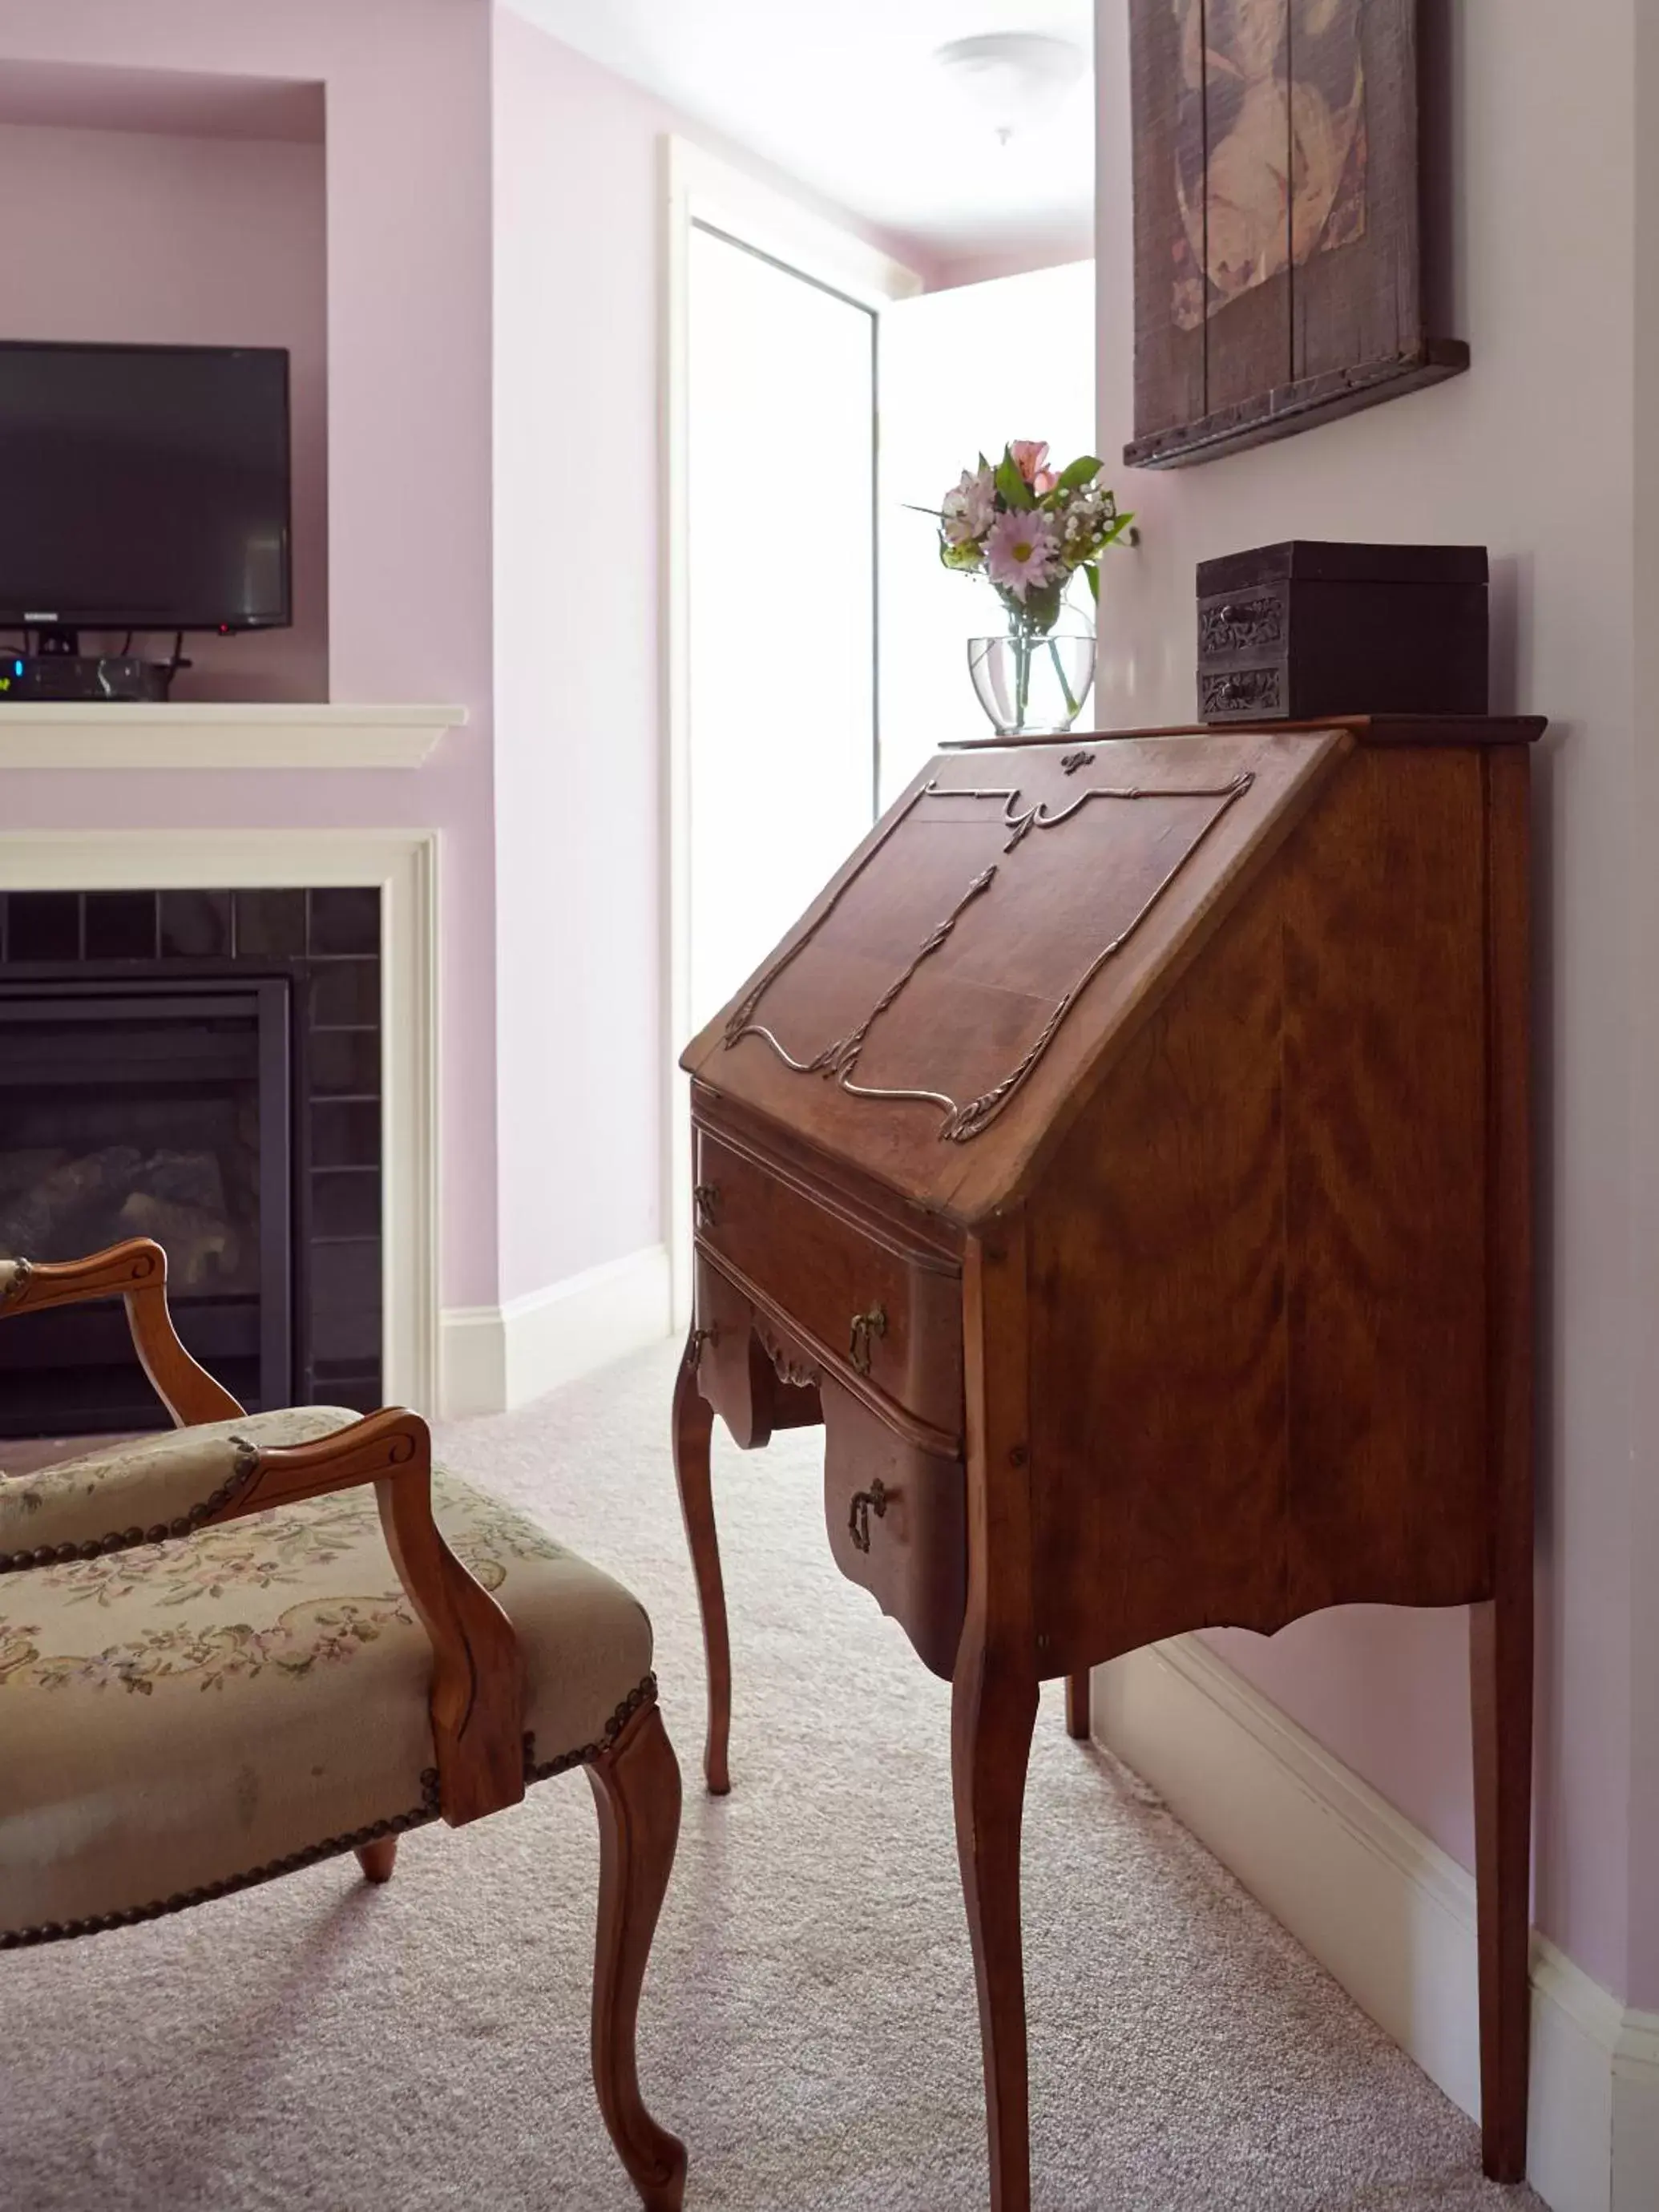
x=1022, y=551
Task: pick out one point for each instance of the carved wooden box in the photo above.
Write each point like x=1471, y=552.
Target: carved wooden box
x=1291, y=632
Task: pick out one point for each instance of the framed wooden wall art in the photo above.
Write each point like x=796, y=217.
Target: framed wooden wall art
x=1287, y=235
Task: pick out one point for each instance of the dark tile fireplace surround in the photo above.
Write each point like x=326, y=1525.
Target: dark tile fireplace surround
x=202, y=1068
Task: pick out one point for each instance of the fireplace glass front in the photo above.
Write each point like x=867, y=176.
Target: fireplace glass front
x=160, y=1110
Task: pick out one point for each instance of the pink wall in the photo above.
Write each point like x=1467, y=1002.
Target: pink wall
x=1532, y=455
x=408, y=227
x=1643, y=1559
x=579, y=202
x=578, y=712
x=1064, y=247
x=458, y=336
x=193, y=241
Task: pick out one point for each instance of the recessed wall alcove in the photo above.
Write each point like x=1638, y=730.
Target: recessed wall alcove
x=183, y=207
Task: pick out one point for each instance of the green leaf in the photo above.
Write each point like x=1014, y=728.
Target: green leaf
x=1043, y=608
x=1093, y=574
x=1082, y=470
x=1016, y=492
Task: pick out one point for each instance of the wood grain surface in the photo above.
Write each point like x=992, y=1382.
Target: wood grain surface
x=1226, y=1319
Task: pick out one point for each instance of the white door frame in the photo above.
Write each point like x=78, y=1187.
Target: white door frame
x=699, y=190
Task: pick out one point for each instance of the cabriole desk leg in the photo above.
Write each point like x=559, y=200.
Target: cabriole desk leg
x=694, y=1421
x=993, y=1712
x=1501, y=1661
x=993, y=1703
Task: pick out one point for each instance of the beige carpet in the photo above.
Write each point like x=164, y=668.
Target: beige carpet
x=809, y=2027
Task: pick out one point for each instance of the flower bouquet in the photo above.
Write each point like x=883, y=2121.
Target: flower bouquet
x=1029, y=529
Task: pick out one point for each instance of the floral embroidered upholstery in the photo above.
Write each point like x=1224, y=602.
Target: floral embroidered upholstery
x=151, y=1486
x=181, y=1715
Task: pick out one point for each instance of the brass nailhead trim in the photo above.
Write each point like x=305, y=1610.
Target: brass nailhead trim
x=429, y=1809
x=644, y=1694
x=129, y=1539
x=59, y=1931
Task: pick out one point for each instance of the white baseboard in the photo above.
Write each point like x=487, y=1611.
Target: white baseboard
x=1389, y=1914
x=496, y=1357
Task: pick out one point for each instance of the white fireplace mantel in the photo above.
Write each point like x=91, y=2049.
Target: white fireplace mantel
x=119, y=734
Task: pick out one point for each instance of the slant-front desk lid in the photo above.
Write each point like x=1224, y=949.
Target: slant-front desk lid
x=946, y=1005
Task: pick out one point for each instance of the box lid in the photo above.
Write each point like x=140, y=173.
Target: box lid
x=1311, y=559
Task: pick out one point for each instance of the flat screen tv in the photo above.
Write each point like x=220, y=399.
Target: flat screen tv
x=144, y=487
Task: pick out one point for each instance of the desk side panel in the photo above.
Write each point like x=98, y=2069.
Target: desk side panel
x=1259, y=1261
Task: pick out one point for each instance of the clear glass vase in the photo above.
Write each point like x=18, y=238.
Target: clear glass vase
x=1032, y=684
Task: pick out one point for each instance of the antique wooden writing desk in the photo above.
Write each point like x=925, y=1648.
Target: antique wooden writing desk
x=1126, y=1159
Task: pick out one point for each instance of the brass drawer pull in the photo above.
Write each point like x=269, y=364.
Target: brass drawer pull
x=866, y=1325
x=874, y=1500
x=705, y=1204
x=699, y=1338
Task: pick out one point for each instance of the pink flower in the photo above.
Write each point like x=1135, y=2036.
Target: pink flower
x=1022, y=551
x=1029, y=454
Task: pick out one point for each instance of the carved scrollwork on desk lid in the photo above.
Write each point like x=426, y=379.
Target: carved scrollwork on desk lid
x=837, y=1061
x=1074, y=761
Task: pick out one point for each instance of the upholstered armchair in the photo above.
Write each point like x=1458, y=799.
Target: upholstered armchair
x=383, y=1646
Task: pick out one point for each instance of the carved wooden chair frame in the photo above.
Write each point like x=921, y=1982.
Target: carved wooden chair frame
x=477, y=1675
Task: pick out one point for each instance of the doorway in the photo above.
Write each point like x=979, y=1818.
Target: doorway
x=773, y=352
x=816, y=399
x=781, y=597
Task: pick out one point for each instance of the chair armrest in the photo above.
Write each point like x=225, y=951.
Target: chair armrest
x=174, y=1486
x=136, y=1272
x=477, y=1676
x=142, y=1490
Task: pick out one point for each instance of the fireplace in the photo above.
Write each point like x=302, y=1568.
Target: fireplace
x=202, y=1067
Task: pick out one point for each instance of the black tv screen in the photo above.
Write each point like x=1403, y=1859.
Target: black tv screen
x=144, y=487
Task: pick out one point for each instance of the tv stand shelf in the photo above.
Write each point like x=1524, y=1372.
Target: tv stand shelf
x=212, y=734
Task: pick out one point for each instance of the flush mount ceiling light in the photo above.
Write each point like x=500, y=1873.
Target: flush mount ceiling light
x=1015, y=79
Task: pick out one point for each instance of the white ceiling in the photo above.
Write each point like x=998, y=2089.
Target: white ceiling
x=845, y=96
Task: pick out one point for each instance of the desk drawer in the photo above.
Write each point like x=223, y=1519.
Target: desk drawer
x=897, y=1522
x=882, y=1316
x=753, y=1390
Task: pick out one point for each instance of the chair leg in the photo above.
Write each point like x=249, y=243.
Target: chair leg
x=636, y=1789
x=694, y=1422
x=376, y=1858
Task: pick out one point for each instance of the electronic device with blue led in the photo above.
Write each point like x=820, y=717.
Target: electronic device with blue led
x=147, y=491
